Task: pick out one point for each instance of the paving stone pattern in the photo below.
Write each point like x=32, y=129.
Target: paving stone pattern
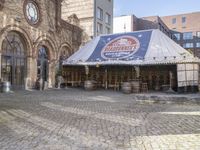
x=74, y=119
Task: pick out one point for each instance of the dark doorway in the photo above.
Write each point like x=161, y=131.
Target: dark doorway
x=43, y=65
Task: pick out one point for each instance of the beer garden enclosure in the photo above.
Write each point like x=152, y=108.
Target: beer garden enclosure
x=149, y=58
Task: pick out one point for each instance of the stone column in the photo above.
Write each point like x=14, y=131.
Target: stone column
x=51, y=74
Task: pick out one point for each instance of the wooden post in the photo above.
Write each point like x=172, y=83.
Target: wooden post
x=137, y=69
x=170, y=81
x=86, y=72
x=106, y=78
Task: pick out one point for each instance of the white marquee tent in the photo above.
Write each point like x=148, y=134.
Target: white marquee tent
x=148, y=47
x=140, y=48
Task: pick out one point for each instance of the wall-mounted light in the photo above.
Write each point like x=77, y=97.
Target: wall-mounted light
x=18, y=19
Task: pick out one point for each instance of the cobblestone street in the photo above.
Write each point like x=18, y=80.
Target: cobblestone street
x=74, y=119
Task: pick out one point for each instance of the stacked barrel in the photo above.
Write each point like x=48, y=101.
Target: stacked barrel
x=132, y=86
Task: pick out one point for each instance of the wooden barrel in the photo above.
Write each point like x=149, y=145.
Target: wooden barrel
x=6, y=87
x=135, y=86
x=126, y=87
x=89, y=85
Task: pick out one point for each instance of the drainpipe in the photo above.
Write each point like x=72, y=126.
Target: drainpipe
x=94, y=20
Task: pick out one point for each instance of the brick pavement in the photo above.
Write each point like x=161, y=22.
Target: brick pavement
x=74, y=119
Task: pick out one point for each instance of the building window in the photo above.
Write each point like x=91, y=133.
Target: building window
x=188, y=45
x=107, y=30
x=198, y=34
x=183, y=19
x=173, y=20
x=187, y=36
x=99, y=28
x=198, y=44
x=177, y=36
x=100, y=13
x=13, y=59
x=31, y=12
x=108, y=18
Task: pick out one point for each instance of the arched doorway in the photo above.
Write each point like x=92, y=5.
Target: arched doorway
x=43, y=65
x=14, y=59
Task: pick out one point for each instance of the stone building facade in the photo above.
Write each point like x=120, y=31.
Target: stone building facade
x=33, y=40
x=96, y=16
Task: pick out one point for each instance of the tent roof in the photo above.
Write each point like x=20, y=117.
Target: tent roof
x=147, y=47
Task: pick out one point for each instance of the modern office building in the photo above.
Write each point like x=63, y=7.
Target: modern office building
x=33, y=39
x=186, y=30
x=183, y=28
x=124, y=24
x=96, y=16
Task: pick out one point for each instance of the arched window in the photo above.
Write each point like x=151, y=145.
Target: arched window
x=14, y=59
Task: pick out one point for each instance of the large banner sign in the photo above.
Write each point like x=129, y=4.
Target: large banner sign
x=121, y=47
x=127, y=46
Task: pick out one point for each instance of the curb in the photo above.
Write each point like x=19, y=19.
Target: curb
x=167, y=99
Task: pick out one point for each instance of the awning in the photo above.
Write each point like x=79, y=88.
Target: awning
x=148, y=47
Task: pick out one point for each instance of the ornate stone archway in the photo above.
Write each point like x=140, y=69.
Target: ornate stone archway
x=48, y=43
x=22, y=33
x=21, y=38
x=65, y=51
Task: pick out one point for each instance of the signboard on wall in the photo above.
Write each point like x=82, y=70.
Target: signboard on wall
x=188, y=74
x=127, y=46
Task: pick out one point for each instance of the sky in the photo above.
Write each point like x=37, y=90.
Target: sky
x=142, y=8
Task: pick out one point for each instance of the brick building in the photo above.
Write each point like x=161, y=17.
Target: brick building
x=132, y=23
x=183, y=28
x=96, y=16
x=33, y=39
x=153, y=22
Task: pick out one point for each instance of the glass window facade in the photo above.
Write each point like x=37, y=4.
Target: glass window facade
x=198, y=34
x=188, y=45
x=177, y=36
x=187, y=35
x=198, y=44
